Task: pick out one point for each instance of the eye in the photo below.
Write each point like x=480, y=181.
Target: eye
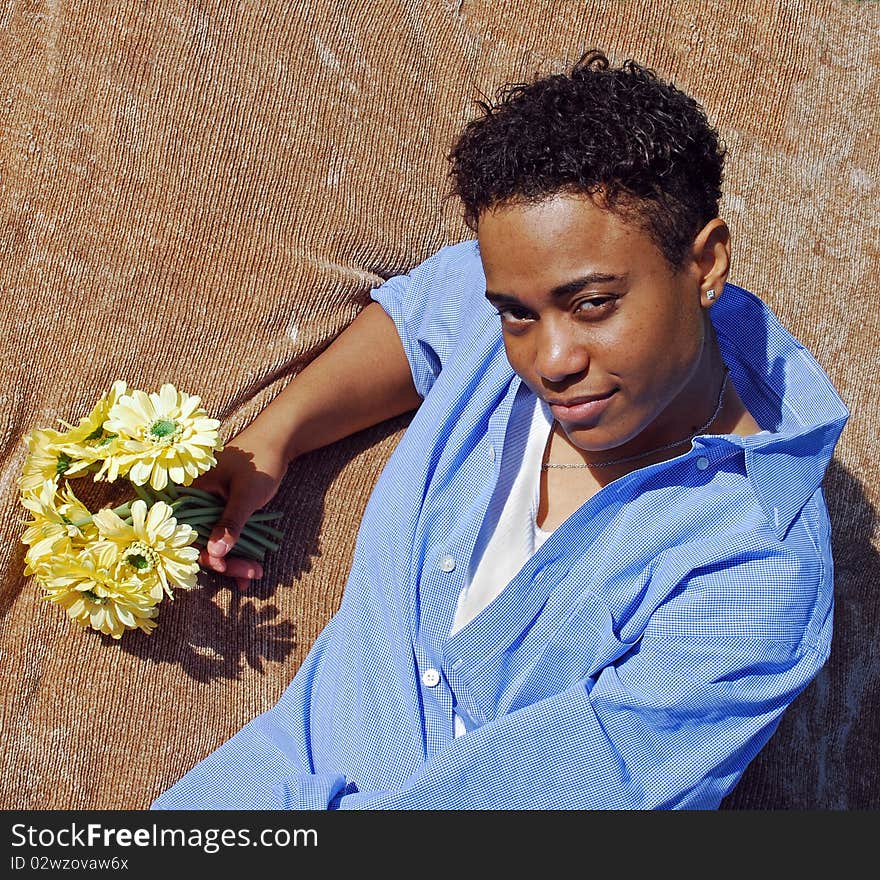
x=514, y=315
x=595, y=305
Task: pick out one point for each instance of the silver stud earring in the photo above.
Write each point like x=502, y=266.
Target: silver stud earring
x=710, y=295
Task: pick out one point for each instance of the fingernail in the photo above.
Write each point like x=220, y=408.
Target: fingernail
x=220, y=548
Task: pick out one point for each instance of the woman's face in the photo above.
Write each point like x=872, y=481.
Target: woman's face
x=596, y=322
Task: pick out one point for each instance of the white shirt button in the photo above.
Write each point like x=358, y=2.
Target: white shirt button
x=447, y=563
x=430, y=678
x=492, y=453
x=702, y=463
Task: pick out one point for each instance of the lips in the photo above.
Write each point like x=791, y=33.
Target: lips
x=584, y=398
x=584, y=409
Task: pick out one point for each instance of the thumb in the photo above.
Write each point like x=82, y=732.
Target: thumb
x=228, y=527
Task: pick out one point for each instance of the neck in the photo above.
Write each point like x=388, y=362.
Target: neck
x=696, y=411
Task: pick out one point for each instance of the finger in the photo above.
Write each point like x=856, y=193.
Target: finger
x=244, y=571
x=228, y=526
x=244, y=584
x=213, y=563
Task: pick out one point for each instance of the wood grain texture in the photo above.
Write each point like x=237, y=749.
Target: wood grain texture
x=203, y=192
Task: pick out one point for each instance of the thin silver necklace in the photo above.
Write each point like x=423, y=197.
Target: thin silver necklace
x=547, y=464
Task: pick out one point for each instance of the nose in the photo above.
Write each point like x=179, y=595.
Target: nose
x=560, y=353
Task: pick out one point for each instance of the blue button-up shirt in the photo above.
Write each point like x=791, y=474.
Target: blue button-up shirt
x=639, y=659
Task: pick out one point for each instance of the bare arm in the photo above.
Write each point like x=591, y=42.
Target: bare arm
x=361, y=379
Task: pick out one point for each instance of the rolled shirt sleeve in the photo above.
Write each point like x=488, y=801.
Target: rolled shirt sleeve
x=430, y=305
x=248, y=772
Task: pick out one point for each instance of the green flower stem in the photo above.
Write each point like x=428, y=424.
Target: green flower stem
x=205, y=502
x=143, y=494
x=264, y=531
x=201, y=510
x=249, y=533
x=257, y=519
x=191, y=506
x=211, y=510
x=147, y=493
x=269, y=530
x=259, y=538
x=265, y=516
x=210, y=502
x=243, y=547
x=198, y=493
x=250, y=548
x=200, y=517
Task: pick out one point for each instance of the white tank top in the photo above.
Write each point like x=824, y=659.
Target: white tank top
x=509, y=534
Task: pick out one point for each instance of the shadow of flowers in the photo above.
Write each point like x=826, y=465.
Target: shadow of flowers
x=213, y=631
x=210, y=641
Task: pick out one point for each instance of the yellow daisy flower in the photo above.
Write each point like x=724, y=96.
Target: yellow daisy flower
x=165, y=436
x=154, y=544
x=89, y=441
x=103, y=597
x=45, y=460
x=54, y=528
x=51, y=454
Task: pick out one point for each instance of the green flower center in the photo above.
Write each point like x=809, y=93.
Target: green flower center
x=164, y=432
x=141, y=556
x=62, y=464
x=98, y=600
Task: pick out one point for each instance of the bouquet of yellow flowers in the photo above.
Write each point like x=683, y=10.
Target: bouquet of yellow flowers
x=110, y=570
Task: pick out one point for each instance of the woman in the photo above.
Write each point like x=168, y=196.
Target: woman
x=596, y=570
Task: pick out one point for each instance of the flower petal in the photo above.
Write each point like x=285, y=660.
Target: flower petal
x=159, y=477
x=140, y=472
x=138, y=516
x=176, y=470
x=168, y=399
x=189, y=406
x=159, y=513
x=146, y=404
x=109, y=524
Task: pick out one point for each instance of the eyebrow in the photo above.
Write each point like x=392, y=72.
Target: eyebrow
x=563, y=290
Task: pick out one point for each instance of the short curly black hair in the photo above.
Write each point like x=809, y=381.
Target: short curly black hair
x=620, y=133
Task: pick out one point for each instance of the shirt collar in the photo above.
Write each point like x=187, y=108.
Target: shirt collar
x=789, y=395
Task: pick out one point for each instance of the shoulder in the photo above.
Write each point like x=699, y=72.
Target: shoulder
x=454, y=264
x=441, y=295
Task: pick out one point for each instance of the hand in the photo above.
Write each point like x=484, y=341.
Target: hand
x=247, y=475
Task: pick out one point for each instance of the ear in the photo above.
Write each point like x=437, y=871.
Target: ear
x=711, y=260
